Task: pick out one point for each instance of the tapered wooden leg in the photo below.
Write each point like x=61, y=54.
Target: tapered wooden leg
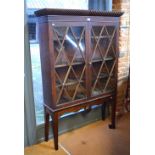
x=55, y=129
x=46, y=125
x=113, y=115
x=103, y=110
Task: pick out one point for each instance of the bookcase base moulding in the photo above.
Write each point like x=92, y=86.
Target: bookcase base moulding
x=79, y=59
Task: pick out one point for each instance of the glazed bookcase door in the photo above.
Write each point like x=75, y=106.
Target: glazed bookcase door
x=103, y=58
x=69, y=49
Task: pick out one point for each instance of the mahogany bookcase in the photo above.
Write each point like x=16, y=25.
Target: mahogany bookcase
x=79, y=58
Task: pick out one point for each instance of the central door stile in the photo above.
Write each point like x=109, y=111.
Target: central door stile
x=88, y=59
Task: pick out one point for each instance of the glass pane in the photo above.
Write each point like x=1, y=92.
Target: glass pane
x=37, y=82
x=100, y=75
x=96, y=53
x=69, y=51
x=102, y=59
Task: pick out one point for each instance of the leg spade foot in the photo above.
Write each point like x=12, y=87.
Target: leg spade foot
x=112, y=126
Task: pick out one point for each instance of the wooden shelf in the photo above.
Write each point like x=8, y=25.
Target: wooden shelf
x=96, y=37
x=96, y=92
x=101, y=37
x=69, y=83
x=83, y=63
x=100, y=59
x=66, y=65
x=61, y=38
x=80, y=96
x=103, y=75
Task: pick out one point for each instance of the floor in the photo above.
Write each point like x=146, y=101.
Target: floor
x=94, y=139
x=44, y=148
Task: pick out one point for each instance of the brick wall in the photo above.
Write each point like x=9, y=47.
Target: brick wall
x=123, y=63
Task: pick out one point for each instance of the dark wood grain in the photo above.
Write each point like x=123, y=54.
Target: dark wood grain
x=55, y=129
x=46, y=124
x=48, y=11
x=113, y=115
x=103, y=111
x=45, y=64
x=52, y=72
